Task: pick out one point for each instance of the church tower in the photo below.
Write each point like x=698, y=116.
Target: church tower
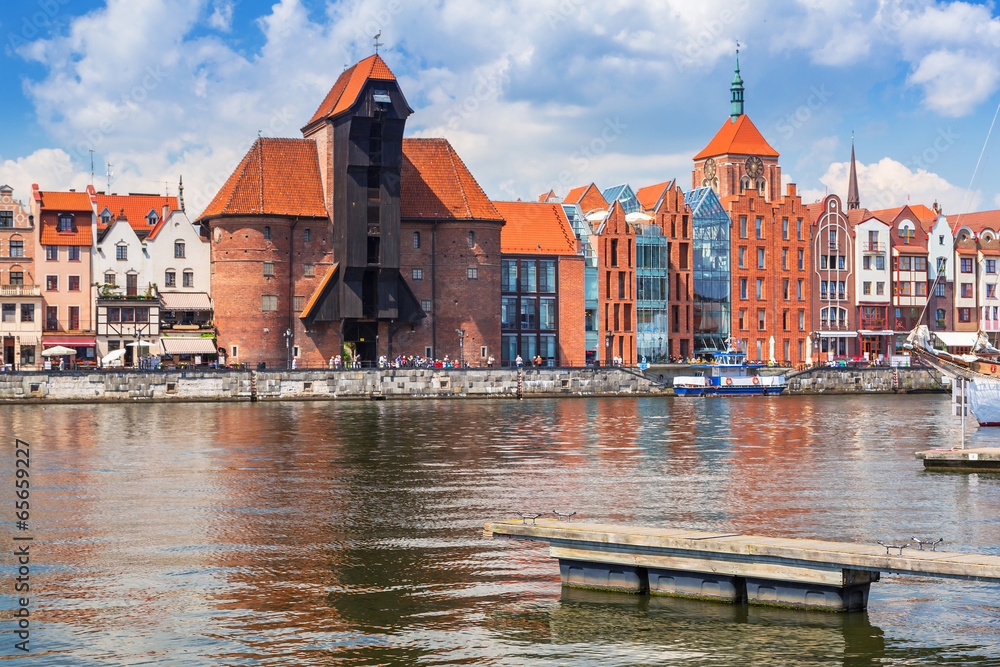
x=853, y=198
x=738, y=158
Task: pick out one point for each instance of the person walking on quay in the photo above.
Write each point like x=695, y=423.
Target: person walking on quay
x=489, y=362
x=519, y=361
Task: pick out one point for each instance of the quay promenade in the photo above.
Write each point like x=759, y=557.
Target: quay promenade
x=387, y=383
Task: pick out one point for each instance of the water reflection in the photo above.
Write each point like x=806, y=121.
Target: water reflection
x=350, y=533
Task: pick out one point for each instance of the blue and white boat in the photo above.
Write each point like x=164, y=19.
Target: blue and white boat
x=729, y=375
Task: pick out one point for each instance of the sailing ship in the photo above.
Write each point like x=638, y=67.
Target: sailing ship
x=981, y=367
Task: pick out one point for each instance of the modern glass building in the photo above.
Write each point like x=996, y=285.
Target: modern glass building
x=625, y=196
x=711, y=271
x=583, y=231
x=652, y=259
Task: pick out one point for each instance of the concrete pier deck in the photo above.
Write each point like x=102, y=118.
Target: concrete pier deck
x=977, y=458
x=732, y=567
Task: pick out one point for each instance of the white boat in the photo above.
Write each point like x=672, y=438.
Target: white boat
x=729, y=375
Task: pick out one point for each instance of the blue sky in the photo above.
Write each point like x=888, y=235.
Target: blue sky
x=533, y=94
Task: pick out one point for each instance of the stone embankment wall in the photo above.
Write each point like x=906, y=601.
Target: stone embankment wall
x=224, y=385
x=824, y=380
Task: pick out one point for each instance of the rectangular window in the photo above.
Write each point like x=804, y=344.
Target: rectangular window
x=939, y=289
x=841, y=261
x=472, y=239
x=742, y=319
x=799, y=292
x=269, y=302
x=416, y=240
x=529, y=282
x=880, y=262
x=307, y=235
x=51, y=252
x=802, y=260
x=760, y=258
x=6, y=218
x=170, y=279
x=866, y=262
x=547, y=276
x=298, y=302
x=27, y=312
x=418, y=274
x=921, y=288
x=991, y=291
x=614, y=253
x=919, y=263
x=743, y=288
x=121, y=252
x=824, y=262
x=17, y=277
x=802, y=320
x=10, y=312
x=905, y=263
x=425, y=305
x=743, y=226
x=51, y=283
x=51, y=318
x=111, y=279
x=742, y=257
x=760, y=228
x=784, y=228
x=866, y=287
x=234, y=351
x=760, y=288
x=963, y=314
x=941, y=264
x=268, y=268
x=966, y=290
x=73, y=314
x=798, y=229
x=786, y=292
x=114, y=314
x=761, y=319
x=904, y=288
x=508, y=312
x=267, y=233
x=179, y=249
x=833, y=239
x=309, y=270
x=529, y=314
x=189, y=279
x=17, y=248
x=879, y=288
x=991, y=266
x=966, y=264
x=473, y=273
x=73, y=253
x=66, y=223
x=73, y=283
x=508, y=275
x=547, y=313
x=784, y=258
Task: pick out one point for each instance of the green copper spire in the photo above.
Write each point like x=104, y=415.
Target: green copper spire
x=737, y=91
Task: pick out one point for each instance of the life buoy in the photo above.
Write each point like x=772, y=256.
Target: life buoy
x=756, y=380
x=729, y=380
x=993, y=369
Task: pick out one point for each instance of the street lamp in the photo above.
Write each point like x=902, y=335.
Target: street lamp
x=288, y=348
x=608, y=337
x=660, y=348
x=461, y=347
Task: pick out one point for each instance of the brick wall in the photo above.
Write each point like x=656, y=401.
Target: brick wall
x=572, y=343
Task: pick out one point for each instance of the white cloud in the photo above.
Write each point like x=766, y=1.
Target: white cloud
x=888, y=183
x=955, y=82
x=222, y=16
x=51, y=169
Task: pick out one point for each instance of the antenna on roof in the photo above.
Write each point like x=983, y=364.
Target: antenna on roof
x=378, y=43
x=111, y=175
x=91, y=166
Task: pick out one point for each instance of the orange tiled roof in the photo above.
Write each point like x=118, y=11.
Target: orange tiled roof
x=920, y=212
x=739, y=138
x=903, y=248
x=535, y=228
x=589, y=198
x=348, y=86
x=436, y=184
x=977, y=221
x=651, y=194
x=51, y=235
x=136, y=208
x=276, y=177
x=65, y=201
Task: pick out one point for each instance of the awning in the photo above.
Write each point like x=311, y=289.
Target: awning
x=185, y=301
x=877, y=332
x=957, y=338
x=182, y=345
x=837, y=334
x=68, y=341
x=27, y=339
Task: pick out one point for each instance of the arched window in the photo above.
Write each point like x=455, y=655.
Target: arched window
x=267, y=233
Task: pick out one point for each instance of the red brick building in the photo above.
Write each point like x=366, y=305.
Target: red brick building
x=542, y=286
x=353, y=241
x=616, y=285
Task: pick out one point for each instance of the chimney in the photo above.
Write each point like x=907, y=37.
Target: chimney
x=790, y=190
x=166, y=211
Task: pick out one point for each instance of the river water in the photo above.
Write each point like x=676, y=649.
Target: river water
x=350, y=533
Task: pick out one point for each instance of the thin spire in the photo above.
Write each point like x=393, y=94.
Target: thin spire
x=853, y=199
x=736, y=90
x=180, y=191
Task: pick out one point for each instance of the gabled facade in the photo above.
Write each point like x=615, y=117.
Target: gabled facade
x=65, y=222
x=909, y=282
x=20, y=294
x=835, y=318
x=873, y=287
x=542, y=286
x=712, y=297
x=616, y=285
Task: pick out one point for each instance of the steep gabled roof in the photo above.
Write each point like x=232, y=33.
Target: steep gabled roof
x=977, y=221
x=276, y=177
x=436, y=184
x=650, y=195
x=136, y=208
x=534, y=228
x=64, y=201
x=348, y=86
x=739, y=138
x=919, y=211
x=588, y=197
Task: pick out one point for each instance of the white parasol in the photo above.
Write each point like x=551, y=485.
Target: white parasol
x=59, y=351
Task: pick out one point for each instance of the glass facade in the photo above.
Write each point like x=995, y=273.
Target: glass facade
x=528, y=310
x=711, y=271
x=652, y=260
x=624, y=195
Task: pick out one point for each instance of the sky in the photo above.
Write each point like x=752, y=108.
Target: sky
x=534, y=95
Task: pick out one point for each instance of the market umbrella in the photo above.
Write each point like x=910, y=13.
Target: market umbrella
x=59, y=351
x=771, y=346
x=114, y=354
x=809, y=350
x=141, y=343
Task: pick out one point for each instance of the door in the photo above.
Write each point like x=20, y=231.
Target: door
x=132, y=284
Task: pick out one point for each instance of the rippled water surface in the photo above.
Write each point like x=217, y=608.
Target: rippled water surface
x=350, y=533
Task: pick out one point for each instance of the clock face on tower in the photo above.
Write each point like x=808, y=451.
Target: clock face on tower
x=710, y=168
x=754, y=166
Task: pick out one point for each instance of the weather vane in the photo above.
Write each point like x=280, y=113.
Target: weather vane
x=378, y=43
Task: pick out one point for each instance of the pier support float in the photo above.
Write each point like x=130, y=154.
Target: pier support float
x=731, y=567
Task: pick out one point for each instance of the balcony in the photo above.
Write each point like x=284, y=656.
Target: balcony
x=874, y=246
x=20, y=290
x=833, y=325
x=872, y=324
